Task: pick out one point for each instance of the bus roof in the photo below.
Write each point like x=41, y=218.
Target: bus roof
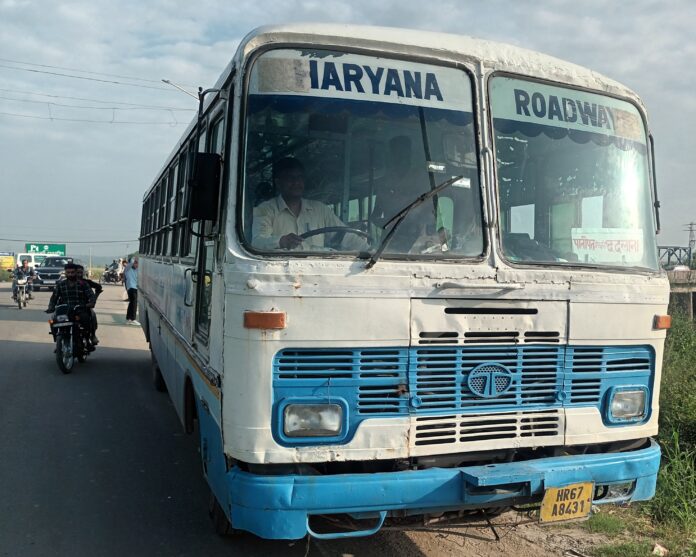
x=447, y=47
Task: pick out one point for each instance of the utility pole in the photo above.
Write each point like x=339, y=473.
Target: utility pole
x=691, y=228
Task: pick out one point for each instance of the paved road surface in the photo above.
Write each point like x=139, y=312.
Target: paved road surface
x=96, y=463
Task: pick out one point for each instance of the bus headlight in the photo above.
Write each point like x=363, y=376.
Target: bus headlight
x=312, y=420
x=627, y=405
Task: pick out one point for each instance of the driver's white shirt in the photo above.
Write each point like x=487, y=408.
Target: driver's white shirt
x=273, y=219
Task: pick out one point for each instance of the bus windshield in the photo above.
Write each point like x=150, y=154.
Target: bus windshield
x=337, y=144
x=573, y=177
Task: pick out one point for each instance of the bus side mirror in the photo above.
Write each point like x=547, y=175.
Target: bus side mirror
x=204, y=187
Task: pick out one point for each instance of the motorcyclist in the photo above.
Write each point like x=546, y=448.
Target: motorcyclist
x=111, y=272
x=97, y=289
x=73, y=292
x=20, y=273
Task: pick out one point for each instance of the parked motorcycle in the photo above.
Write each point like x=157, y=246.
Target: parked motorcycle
x=71, y=336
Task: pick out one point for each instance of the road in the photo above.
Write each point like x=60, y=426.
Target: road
x=96, y=463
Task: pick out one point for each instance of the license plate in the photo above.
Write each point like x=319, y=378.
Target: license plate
x=49, y=281
x=567, y=503
x=62, y=324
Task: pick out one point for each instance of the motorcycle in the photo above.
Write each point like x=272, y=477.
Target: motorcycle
x=71, y=336
x=109, y=276
x=22, y=296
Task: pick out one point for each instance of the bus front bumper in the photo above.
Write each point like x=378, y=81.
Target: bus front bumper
x=279, y=507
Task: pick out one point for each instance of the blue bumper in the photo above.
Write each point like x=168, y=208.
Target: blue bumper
x=278, y=507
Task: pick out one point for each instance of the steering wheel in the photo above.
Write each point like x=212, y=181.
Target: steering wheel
x=331, y=229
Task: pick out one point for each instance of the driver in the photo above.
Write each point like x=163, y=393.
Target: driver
x=73, y=292
x=279, y=221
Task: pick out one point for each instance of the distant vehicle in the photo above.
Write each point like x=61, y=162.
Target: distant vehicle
x=51, y=271
x=681, y=268
x=110, y=274
x=34, y=259
x=7, y=261
x=22, y=295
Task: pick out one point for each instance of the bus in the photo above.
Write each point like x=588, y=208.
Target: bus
x=394, y=277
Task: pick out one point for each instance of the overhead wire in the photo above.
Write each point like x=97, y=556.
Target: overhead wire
x=83, y=71
x=86, y=120
x=18, y=91
x=86, y=78
x=52, y=103
x=74, y=241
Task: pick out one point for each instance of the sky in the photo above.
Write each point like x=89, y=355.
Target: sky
x=76, y=154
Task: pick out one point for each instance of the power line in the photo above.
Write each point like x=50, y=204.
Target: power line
x=72, y=241
x=95, y=107
x=83, y=71
x=18, y=91
x=51, y=229
x=87, y=121
x=86, y=78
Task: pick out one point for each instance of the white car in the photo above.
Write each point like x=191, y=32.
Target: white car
x=34, y=259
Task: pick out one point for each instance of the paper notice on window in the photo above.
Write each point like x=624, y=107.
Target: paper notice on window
x=608, y=245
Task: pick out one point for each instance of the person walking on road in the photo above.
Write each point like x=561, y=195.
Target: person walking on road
x=130, y=277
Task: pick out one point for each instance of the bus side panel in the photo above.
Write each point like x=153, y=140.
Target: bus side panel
x=163, y=288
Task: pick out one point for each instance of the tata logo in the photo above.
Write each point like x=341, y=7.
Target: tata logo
x=489, y=380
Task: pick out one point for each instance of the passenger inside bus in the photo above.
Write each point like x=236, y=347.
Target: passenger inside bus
x=404, y=181
x=279, y=222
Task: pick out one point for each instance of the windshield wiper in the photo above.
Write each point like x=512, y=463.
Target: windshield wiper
x=399, y=217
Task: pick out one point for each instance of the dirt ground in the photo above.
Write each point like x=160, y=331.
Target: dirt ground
x=518, y=535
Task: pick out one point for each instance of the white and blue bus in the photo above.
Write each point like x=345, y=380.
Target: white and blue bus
x=392, y=275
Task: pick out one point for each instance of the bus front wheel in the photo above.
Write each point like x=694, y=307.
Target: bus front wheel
x=221, y=523
x=157, y=379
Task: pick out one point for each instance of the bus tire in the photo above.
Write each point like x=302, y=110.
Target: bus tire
x=221, y=523
x=157, y=379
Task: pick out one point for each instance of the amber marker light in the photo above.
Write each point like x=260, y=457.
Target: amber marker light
x=662, y=322
x=265, y=319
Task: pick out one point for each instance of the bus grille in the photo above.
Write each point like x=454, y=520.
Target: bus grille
x=436, y=430
x=438, y=376
x=433, y=380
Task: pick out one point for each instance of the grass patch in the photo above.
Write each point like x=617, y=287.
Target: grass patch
x=674, y=503
x=678, y=394
x=628, y=549
x=603, y=523
x=673, y=509
x=672, y=512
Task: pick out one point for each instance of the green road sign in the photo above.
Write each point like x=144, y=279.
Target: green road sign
x=53, y=249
